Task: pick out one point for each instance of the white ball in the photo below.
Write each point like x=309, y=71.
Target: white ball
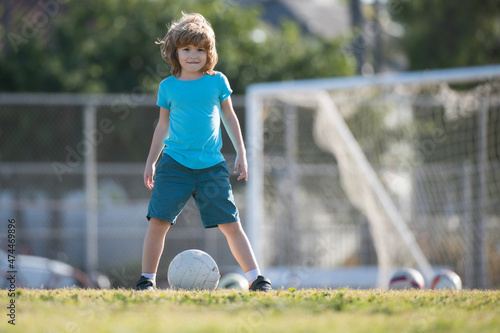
x=446, y=279
x=193, y=269
x=233, y=281
x=407, y=278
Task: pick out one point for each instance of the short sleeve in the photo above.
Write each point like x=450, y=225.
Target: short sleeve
x=163, y=100
x=225, y=88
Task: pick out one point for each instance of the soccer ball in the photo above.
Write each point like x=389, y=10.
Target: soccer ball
x=407, y=278
x=193, y=269
x=233, y=281
x=446, y=279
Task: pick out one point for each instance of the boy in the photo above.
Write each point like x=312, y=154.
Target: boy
x=192, y=102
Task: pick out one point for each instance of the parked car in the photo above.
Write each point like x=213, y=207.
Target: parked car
x=40, y=273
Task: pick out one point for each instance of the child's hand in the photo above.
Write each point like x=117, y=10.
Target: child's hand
x=241, y=164
x=148, y=177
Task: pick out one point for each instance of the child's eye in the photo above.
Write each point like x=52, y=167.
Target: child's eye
x=201, y=50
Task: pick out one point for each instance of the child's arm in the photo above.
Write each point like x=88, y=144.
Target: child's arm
x=232, y=126
x=161, y=132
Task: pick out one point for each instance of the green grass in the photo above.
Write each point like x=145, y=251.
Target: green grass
x=309, y=310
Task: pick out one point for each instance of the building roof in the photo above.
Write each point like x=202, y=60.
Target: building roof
x=325, y=18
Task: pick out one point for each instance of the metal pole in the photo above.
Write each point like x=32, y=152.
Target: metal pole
x=378, y=48
x=293, y=250
x=480, y=225
x=467, y=209
x=359, y=44
x=255, y=187
x=90, y=188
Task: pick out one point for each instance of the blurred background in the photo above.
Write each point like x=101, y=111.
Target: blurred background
x=78, y=84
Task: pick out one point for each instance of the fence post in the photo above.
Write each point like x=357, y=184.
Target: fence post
x=292, y=244
x=479, y=232
x=467, y=225
x=91, y=189
x=255, y=187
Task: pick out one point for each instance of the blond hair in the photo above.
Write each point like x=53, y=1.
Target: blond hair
x=191, y=29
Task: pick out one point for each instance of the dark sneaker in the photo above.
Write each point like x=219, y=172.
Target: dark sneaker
x=261, y=284
x=145, y=284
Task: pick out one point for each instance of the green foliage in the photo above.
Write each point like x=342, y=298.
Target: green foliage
x=450, y=33
x=303, y=310
x=108, y=46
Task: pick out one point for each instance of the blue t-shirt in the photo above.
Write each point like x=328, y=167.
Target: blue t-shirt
x=194, y=137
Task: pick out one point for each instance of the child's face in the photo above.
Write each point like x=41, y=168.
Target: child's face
x=192, y=58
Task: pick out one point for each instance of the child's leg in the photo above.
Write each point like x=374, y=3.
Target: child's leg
x=239, y=245
x=153, y=244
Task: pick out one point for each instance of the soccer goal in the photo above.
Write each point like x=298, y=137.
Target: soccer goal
x=369, y=174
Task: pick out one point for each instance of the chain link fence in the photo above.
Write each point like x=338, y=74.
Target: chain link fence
x=71, y=174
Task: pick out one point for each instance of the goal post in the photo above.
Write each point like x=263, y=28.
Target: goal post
x=327, y=110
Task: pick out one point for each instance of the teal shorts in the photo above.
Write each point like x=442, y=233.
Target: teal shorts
x=209, y=187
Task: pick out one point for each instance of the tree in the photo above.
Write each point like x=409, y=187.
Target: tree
x=108, y=46
x=449, y=33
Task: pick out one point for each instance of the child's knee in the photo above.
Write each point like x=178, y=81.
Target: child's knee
x=231, y=228
x=159, y=224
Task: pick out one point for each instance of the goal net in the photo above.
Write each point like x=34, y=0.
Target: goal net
x=382, y=172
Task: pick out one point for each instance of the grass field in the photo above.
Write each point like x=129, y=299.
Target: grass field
x=309, y=310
